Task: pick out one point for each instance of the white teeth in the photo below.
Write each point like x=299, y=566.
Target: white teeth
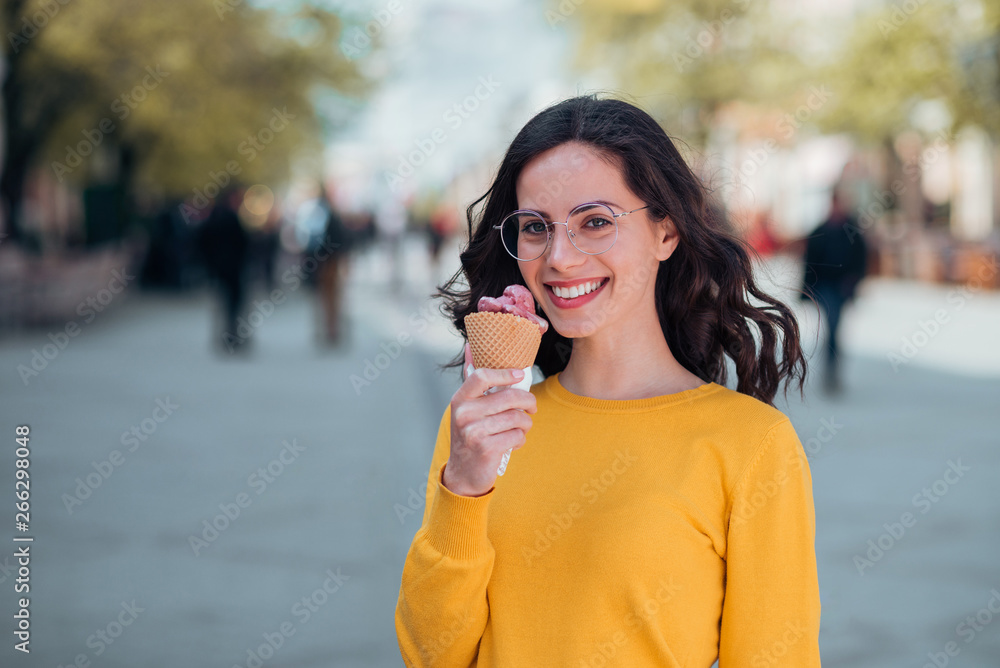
x=576, y=290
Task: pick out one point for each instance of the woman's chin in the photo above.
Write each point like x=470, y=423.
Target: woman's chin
x=574, y=330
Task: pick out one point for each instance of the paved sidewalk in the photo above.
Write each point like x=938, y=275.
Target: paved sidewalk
x=312, y=467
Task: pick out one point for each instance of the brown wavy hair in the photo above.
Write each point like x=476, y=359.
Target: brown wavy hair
x=702, y=290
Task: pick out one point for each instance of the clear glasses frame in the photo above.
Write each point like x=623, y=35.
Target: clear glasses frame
x=550, y=226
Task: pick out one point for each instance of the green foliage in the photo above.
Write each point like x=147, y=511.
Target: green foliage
x=685, y=60
x=183, y=83
x=893, y=59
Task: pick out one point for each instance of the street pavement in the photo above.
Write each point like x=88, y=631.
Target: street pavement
x=252, y=513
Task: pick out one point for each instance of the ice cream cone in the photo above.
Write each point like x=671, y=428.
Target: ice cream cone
x=502, y=340
x=505, y=333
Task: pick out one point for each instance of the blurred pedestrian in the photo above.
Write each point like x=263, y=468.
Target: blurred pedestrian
x=835, y=262
x=163, y=264
x=391, y=223
x=333, y=256
x=442, y=225
x=269, y=243
x=224, y=245
x=761, y=235
x=361, y=225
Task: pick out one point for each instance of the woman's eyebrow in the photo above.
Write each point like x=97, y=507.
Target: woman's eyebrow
x=607, y=203
x=545, y=214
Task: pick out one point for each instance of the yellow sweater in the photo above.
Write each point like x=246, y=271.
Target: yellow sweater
x=668, y=531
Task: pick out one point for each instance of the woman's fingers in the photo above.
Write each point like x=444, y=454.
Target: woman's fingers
x=465, y=410
x=484, y=425
x=499, y=423
x=509, y=397
x=507, y=440
x=482, y=380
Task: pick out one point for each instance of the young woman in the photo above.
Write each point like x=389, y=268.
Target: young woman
x=650, y=516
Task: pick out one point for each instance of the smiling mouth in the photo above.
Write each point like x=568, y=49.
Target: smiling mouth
x=576, y=290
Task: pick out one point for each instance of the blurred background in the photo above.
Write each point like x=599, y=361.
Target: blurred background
x=222, y=222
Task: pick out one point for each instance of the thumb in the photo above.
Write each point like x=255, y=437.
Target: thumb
x=468, y=361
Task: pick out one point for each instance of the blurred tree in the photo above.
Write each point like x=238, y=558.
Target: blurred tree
x=685, y=60
x=902, y=54
x=901, y=60
x=170, y=97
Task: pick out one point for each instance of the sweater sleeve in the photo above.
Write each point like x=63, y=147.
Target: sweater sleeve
x=442, y=609
x=771, y=608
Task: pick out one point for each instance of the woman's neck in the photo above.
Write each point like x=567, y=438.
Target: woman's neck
x=606, y=365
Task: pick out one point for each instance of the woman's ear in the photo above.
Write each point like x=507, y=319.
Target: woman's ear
x=666, y=238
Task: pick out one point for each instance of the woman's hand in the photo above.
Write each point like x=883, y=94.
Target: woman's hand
x=484, y=426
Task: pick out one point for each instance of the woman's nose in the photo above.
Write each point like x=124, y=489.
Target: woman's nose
x=561, y=252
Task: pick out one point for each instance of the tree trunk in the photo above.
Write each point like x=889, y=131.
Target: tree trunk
x=18, y=152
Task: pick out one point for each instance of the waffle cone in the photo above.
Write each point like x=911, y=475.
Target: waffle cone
x=502, y=340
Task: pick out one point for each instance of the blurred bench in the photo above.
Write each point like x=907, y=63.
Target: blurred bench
x=44, y=291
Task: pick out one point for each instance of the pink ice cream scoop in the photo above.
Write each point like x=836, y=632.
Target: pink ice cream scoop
x=516, y=299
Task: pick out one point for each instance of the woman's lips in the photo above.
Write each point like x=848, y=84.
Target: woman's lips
x=575, y=302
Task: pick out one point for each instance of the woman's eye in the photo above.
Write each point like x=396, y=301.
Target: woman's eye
x=599, y=222
x=534, y=228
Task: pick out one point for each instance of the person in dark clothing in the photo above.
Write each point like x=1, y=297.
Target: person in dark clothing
x=163, y=265
x=442, y=225
x=270, y=244
x=835, y=262
x=333, y=255
x=224, y=245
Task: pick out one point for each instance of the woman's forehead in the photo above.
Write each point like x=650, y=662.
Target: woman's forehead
x=566, y=176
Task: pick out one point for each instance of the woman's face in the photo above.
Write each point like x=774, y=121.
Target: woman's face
x=553, y=184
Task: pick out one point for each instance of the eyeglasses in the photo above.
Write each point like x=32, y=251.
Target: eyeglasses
x=592, y=229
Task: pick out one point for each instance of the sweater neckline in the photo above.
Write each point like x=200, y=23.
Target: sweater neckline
x=558, y=392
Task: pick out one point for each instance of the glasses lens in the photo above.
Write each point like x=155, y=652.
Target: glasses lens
x=593, y=228
x=524, y=235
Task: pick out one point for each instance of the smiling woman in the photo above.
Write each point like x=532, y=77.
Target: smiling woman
x=585, y=150
x=655, y=517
